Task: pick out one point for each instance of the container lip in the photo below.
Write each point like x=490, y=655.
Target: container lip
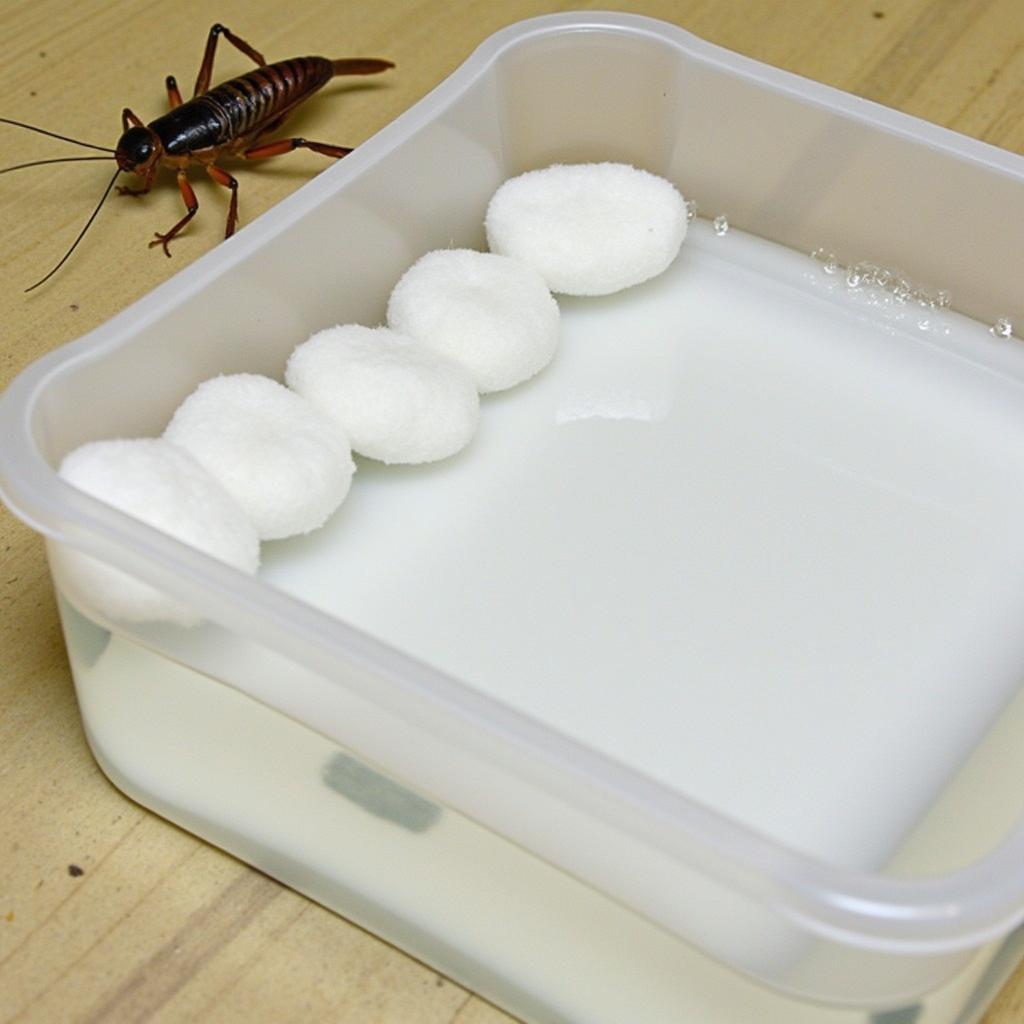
x=952, y=912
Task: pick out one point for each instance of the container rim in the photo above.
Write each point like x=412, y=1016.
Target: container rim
x=952, y=912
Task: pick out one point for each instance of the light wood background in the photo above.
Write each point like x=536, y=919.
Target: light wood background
x=159, y=925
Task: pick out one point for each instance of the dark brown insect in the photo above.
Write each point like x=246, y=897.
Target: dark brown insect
x=231, y=119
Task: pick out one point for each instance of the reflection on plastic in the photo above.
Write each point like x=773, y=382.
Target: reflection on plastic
x=904, y=1015
x=379, y=795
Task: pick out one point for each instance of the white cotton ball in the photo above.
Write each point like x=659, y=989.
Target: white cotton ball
x=590, y=229
x=397, y=401
x=493, y=315
x=163, y=486
x=285, y=463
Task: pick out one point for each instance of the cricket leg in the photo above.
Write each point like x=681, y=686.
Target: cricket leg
x=173, y=92
x=206, y=68
x=270, y=149
x=130, y=119
x=225, y=179
x=191, y=205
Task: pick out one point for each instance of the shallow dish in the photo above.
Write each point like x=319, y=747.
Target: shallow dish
x=705, y=650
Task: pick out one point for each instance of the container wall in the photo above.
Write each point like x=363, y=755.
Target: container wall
x=674, y=900
x=980, y=807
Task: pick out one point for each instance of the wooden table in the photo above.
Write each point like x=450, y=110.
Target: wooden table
x=150, y=922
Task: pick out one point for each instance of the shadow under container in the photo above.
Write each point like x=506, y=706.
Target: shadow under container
x=558, y=880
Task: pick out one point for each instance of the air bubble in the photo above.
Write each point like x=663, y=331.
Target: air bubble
x=902, y=290
x=943, y=299
x=831, y=264
x=1002, y=328
x=691, y=208
x=720, y=224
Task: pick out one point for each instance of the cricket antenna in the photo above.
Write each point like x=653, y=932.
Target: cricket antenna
x=54, y=135
x=53, y=160
x=74, y=244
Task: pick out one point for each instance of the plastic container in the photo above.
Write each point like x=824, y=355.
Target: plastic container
x=702, y=664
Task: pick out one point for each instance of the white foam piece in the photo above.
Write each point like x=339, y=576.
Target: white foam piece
x=163, y=486
x=589, y=229
x=397, y=400
x=286, y=463
x=492, y=314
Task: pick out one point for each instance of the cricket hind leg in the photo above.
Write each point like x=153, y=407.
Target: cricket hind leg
x=206, y=68
x=282, y=146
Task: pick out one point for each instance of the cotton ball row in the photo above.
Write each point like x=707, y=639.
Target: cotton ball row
x=283, y=461
x=161, y=485
x=399, y=393
x=589, y=229
x=245, y=458
x=397, y=401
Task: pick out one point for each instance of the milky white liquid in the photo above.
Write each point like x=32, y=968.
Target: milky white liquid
x=752, y=534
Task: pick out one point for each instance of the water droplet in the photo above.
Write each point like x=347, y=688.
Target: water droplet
x=884, y=287
x=1002, y=328
x=691, y=208
x=924, y=324
x=720, y=224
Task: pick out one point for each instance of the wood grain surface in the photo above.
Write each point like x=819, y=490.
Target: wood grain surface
x=106, y=911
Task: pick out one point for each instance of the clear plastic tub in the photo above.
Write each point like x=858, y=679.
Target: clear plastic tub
x=702, y=664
